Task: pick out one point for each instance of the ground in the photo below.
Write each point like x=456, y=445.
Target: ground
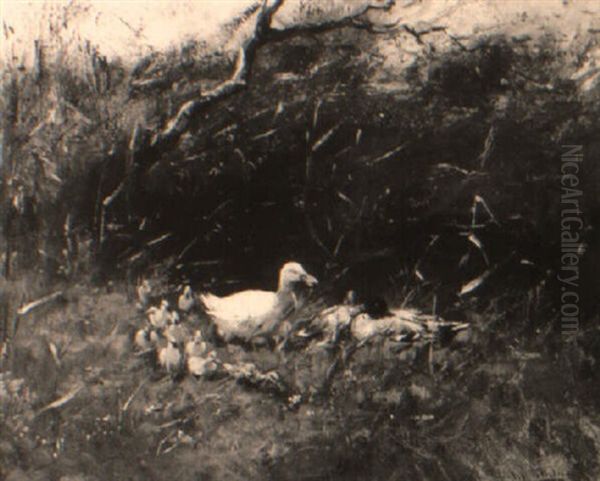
x=472, y=408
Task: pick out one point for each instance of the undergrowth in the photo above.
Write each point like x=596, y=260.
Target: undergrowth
x=485, y=406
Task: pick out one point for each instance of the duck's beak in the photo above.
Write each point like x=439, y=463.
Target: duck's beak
x=310, y=281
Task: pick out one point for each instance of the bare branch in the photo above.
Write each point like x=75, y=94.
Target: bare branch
x=263, y=33
x=181, y=122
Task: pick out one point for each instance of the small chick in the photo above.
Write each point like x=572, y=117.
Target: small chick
x=186, y=300
x=145, y=339
x=175, y=329
x=203, y=366
x=170, y=357
x=159, y=317
x=196, y=346
x=143, y=292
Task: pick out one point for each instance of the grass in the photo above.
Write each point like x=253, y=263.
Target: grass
x=462, y=411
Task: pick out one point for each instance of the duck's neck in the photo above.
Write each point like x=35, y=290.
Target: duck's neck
x=286, y=298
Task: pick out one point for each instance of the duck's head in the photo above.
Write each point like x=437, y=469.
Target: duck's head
x=292, y=273
x=198, y=336
x=187, y=291
x=164, y=305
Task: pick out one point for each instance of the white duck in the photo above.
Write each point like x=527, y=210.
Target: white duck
x=170, y=357
x=196, y=346
x=247, y=314
x=186, y=300
x=159, y=316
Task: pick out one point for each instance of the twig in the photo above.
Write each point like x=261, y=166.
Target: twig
x=338, y=245
x=161, y=444
x=477, y=243
x=264, y=135
x=315, y=119
x=115, y=193
x=220, y=207
x=106, y=204
x=488, y=145
x=187, y=248
x=325, y=137
x=27, y=308
x=225, y=130
x=388, y=154
x=60, y=402
x=125, y=406
x=160, y=239
x=480, y=200
x=474, y=283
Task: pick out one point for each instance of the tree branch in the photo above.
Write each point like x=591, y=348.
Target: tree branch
x=263, y=33
x=182, y=120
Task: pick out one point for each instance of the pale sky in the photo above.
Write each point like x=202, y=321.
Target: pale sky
x=123, y=28
x=129, y=29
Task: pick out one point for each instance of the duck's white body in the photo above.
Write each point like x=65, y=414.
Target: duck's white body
x=248, y=314
x=254, y=313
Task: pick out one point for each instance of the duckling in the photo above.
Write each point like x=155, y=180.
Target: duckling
x=143, y=292
x=145, y=338
x=199, y=366
x=196, y=346
x=170, y=357
x=252, y=313
x=186, y=300
x=175, y=329
x=159, y=317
